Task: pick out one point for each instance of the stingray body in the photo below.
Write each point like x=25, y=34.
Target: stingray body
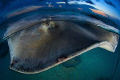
x=40, y=47
x=43, y=34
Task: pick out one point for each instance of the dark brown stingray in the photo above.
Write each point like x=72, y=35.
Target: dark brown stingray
x=40, y=47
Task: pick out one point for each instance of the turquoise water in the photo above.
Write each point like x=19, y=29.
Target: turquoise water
x=97, y=64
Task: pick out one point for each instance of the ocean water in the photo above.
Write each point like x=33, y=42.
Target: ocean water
x=96, y=64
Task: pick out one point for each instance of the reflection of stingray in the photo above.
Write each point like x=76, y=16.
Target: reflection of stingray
x=38, y=48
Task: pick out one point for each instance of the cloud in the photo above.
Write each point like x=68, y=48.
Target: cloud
x=99, y=12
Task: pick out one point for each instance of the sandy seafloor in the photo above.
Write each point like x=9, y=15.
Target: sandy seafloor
x=97, y=64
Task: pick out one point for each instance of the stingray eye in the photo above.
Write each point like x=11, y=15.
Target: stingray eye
x=52, y=25
x=48, y=26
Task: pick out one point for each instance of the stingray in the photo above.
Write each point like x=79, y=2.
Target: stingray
x=49, y=43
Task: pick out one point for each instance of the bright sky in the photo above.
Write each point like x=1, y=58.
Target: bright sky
x=114, y=12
